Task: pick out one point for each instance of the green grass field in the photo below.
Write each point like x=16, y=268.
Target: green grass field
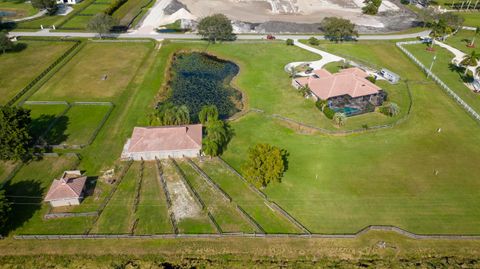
x=446, y=71
x=74, y=128
x=19, y=8
x=118, y=215
x=95, y=8
x=26, y=191
x=78, y=22
x=461, y=39
x=471, y=18
x=152, y=209
x=18, y=69
x=81, y=79
x=43, y=116
x=6, y=167
x=128, y=11
x=225, y=214
x=252, y=203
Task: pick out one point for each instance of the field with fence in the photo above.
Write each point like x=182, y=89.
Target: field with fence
x=399, y=176
x=18, y=68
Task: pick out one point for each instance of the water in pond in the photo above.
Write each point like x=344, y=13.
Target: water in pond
x=4, y=13
x=200, y=79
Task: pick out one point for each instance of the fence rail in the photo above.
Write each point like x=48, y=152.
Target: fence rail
x=447, y=89
x=363, y=231
x=70, y=215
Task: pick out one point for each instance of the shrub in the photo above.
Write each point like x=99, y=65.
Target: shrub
x=390, y=109
x=372, y=79
x=321, y=104
x=289, y=42
x=329, y=113
x=339, y=119
x=370, y=9
x=313, y=41
x=265, y=164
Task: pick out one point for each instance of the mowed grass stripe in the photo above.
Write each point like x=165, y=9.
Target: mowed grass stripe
x=152, y=210
x=251, y=202
x=117, y=217
x=197, y=222
x=224, y=212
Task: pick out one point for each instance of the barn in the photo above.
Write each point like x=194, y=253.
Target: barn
x=162, y=142
x=68, y=190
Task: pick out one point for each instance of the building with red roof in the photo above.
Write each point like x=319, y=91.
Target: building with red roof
x=148, y=143
x=348, y=91
x=68, y=190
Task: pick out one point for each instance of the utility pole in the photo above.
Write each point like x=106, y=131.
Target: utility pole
x=431, y=66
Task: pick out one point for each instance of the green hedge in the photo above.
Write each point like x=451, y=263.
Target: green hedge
x=114, y=6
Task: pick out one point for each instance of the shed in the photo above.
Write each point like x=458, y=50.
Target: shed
x=390, y=76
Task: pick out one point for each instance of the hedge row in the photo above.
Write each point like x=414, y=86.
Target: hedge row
x=114, y=6
x=49, y=68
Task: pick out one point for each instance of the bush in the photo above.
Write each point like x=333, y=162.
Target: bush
x=313, y=41
x=372, y=79
x=320, y=104
x=390, y=109
x=329, y=113
x=289, y=42
x=265, y=164
x=370, y=9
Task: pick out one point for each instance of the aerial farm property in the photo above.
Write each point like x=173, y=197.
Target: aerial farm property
x=270, y=141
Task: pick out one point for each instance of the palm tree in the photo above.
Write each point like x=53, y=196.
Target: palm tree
x=339, y=119
x=476, y=32
x=208, y=112
x=182, y=115
x=470, y=60
x=439, y=29
x=292, y=71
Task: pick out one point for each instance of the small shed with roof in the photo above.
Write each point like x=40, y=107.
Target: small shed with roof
x=68, y=190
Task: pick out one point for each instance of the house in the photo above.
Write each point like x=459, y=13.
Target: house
x=68, y=2
x=390, y=76
x=148, y=143
x=347, y=91
x=68, y=190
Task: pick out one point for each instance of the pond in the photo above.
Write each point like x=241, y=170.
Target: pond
x=4, y=13
x=199, y=79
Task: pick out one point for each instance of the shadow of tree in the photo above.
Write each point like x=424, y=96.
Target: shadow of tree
x=460, y=72
x=56, y=135
x=26, y=198
x=18, y=47
x=90, y=186
x=40, y=124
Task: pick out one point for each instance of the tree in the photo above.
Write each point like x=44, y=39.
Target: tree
x=338, y=29
x=475, y=33
x=15, y=139
x=427, y=16
x=5, y=42
x=313, y=41
x=289, y=42
x=339, y=119
x=265, y=164
x=49, y=5
x=101, y=24
x=207, y=113
x=438, y=29
x=305, y=91
x=370, y=9
x=453, y=21
x=169, y=114
x=216, y=27
x=470, y=60
x=390, y=109
x=218, y=134
x=4, y=210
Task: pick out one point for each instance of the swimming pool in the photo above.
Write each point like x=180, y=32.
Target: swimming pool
x=349, y=111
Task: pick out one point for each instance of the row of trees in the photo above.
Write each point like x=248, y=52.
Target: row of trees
x=5, y=42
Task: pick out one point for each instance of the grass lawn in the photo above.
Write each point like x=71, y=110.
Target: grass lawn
x=442, y=68
x=128, y=11
x=27, y=190
x=224, y=212
x=77, y=22
x=74, y=128
x=18, y=8
x=152, y=210
x=342, y=184
x=471, y=18
x=6, y=167
x=42, y=116
x=188, y=214
x=461, y=39
x=118, y=215
x=81, y=79
x=251, y=202
x=18, y=69
x=95, y=8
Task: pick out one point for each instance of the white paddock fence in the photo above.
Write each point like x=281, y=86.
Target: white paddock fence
x=444, y=86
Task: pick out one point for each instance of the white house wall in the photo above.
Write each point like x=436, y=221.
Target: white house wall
x=150, y=156
x=65, y=202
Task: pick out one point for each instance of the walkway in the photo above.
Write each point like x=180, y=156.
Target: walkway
x=459, y=55
x=38, y=15
x=326, y=57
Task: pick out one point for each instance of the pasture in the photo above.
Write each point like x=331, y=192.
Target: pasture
x=19, y=67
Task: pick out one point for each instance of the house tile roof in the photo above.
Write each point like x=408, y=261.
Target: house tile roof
x=152, y=139
x=70, y=185
x=351, y=81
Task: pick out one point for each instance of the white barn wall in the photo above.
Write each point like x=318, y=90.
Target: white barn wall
x=65, y=202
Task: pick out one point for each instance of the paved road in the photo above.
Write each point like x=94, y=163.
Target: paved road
x=159, y=36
